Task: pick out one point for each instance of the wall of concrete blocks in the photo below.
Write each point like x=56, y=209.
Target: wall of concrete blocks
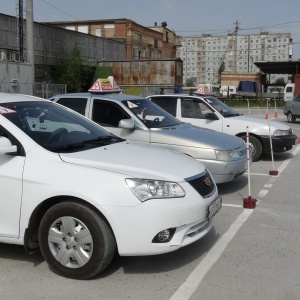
x=51, y=44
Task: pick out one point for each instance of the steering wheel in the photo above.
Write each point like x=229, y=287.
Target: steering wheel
x=56, y=135
x=155, y=122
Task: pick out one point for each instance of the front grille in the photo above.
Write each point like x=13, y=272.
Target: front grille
x=242, y=151
x=204, y=185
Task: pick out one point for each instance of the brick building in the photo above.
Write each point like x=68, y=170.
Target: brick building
x=141, y=42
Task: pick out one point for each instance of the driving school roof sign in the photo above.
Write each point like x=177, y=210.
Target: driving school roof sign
x=105, y=85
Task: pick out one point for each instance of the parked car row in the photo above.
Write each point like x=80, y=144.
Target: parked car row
x=138, y=119
x=84, y=175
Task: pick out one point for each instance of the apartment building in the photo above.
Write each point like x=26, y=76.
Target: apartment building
x=203, y=56
x=141, y=42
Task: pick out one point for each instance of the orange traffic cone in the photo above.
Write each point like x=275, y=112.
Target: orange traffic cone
x=298, y=140
x=267, y=117
x=276, y=115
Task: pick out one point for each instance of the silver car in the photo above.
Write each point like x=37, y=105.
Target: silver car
x=138, y=119
x=292, y=109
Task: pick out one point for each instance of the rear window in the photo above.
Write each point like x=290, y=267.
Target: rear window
x=168, y=104
x=77, y=104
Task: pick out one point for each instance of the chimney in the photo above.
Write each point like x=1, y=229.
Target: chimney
x=164, y=24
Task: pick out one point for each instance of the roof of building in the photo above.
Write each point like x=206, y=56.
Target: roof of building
x=280, y=67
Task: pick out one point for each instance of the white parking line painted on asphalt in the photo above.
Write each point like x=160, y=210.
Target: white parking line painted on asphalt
x=260, y=174
x=232, y=205
x=263, y=193
x=286, y=162
x=268, y=185
x=187, y=289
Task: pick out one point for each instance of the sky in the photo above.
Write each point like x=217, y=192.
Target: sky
x=184, y=17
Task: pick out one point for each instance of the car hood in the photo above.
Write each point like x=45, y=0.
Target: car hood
x=137, y=160
x=193, y=136
x=252, y=123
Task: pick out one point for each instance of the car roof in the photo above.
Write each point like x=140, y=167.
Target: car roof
x=9, y=97
x=109, y=96
x=182, y=95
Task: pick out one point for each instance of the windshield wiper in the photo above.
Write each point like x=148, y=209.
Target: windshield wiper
x=67, y=147
x=103, y=139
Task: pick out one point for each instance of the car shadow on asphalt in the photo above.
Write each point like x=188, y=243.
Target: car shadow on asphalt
x=129, y=264
x=164, y=262
x=277, y=156
x=17, y=252
x=233, y=186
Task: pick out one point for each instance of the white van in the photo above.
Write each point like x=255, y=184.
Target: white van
x=289, y=90
x=225, y=89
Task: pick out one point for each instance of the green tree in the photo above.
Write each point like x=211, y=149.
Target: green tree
x=280, y=81
x=221, y=70
x=190, y=82
x=74, y=72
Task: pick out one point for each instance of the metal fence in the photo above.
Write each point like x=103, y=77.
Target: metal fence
x=43, y=90
x=47, y=90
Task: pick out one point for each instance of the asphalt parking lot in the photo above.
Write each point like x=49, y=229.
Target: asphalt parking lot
x=249, y=254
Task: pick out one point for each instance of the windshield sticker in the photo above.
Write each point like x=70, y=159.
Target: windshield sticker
x=4, y=110
x=208, y=101
x=131, y=105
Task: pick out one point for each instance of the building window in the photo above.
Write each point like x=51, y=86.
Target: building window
x=135, y=52
x=155, y=43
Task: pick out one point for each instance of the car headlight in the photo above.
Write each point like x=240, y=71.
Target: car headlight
x=146, y=189
x=279, y=132
x=226, y=154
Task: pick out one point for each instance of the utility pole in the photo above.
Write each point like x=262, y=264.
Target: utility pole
x=29, y=26
x=21, y=31
x=235, y=44
x=232, y=43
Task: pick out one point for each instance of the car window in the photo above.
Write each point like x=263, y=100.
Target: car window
x=221, y=107
x=168, y=104
x=193, y=108
x=55, y=127
x=77, y=104
x=107, y=113
x=297, y=98
x=152, y=115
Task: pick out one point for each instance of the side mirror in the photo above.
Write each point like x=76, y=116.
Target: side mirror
x=6, y=146
x=126, y=124
x=211, y=116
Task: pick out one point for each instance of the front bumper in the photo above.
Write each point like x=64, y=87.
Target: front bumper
x=135, y=227
x=225, y=171
x=280, y=143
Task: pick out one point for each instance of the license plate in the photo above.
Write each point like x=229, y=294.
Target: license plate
x=214, y=207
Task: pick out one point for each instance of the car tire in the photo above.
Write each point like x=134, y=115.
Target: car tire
x=290, y=118
x=75, y=241
x=255, y=147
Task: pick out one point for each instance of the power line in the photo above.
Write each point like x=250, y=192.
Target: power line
x=60, y=10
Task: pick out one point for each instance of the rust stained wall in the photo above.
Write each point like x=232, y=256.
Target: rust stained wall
x=233, y=79
x=146, y=72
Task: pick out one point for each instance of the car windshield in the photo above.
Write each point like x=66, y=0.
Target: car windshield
x=151, y=114
x=221, y=107
x=56, y=128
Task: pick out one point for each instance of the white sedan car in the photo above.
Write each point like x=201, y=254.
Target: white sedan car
x=209, y=112
x=80, y=193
